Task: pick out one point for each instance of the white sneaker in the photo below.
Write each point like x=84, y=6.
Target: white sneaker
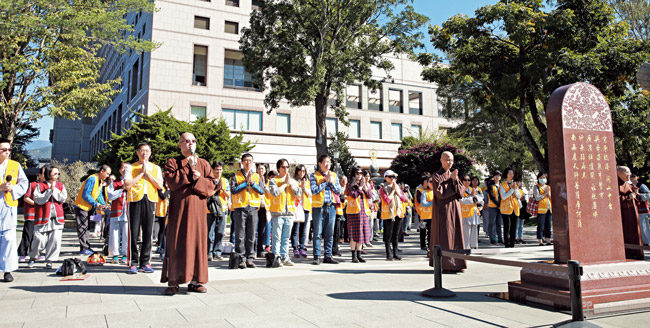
x=287, y=262
x=48, y=265
x=31, y=263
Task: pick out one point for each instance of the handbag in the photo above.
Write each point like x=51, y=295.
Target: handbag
x=300, y=214
x=532, y=207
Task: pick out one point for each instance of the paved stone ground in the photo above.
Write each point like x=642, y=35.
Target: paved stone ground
x=375, y=294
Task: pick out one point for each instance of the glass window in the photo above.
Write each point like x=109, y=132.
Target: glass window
x=256, y=4
x=353, y=96
x=331, y=101
x=396, y=131
x=415, y=103
x=395, y=101
x=232, y=27
x=196, y=112
x=234, y=74
x=355, y=129
x=232, y=3
x=242, y=119
x=375, y=130
x=374, y=99
x=202, y=22
x=200, y=65
x=332, y=125
x=416, y=130
x=284, y=123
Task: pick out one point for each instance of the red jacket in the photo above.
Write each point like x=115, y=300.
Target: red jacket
x=42, y=212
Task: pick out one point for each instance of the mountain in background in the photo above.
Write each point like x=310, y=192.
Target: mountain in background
x=37, y=144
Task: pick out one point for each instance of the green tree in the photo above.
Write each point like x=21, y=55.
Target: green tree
x=162, y=132
x=512, y=55
x=303, y=51
x=48, y=57
x=345, y=159
x=637, y=14
x=72, y=176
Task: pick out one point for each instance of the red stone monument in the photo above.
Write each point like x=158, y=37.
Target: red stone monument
x=587, y=224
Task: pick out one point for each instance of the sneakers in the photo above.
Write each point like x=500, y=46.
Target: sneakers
x=48, y=265
x=330, y=260
x=287, y=262
x=303, y=253
x=31, y=263
x=22, y=259
x=41, y=258
x=296, y=253
x=116, y=260
x=147, y=269
x=132, y=270
x=8, y=277
x=123, y=259
x=218, y=258
x=267, y=249
x=250, y=264
x=316, y=261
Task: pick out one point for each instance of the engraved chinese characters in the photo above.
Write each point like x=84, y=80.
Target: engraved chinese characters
x=586, y=212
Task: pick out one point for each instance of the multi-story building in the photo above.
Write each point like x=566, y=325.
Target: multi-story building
x=197, y=71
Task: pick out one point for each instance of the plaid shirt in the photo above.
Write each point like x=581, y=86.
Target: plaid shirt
x=328, y=187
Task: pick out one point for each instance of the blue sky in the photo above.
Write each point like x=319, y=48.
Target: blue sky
x=438, y=11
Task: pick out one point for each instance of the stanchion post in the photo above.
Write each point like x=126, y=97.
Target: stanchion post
x=575, y=277
x=437, y=291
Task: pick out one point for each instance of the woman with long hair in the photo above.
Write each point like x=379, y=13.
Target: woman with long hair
x=49, y=217
x=542, y=194
x=300, y=228
x=358, y=194
x=509, y=191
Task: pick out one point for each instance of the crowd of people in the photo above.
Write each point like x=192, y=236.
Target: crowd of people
x=183, y=208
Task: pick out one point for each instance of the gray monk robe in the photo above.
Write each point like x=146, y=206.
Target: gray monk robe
x=447, y=224
x=186, y=252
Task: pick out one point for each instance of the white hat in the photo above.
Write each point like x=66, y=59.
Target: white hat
x=389, y=172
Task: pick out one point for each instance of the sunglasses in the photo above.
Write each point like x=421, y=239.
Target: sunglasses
x=4, y=149
x=390, y=176
x=284, y=167
x=467, y=179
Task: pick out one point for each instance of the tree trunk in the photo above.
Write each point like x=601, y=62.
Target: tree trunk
x=321, y=126
x=538, y=157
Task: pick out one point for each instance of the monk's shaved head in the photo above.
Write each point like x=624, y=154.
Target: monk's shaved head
x=623, y=172
x=447, y=160
x=447, y=154
x=185, y=136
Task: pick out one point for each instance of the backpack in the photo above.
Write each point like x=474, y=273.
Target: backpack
x=70, y=266
x=234, y=261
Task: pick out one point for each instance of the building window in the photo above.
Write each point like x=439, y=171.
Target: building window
x=396, y=131
x=134, y=80
x=202, y=22
x=416, y=130
x=332, y=125
x=395, y=101
x=256, y=4
x=375, y=130
x=231, y=27
x=355, y=129
x=353, y=97
x=284, y=123
x=235, y=76
x=196, y=112
x=415, y=103
x=242, y=119
x=200, y=66
x=232, y=3
x=374, y=99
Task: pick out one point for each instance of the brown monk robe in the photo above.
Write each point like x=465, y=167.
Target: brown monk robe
x=447, y=224
x=629, y=214
x=190, y=182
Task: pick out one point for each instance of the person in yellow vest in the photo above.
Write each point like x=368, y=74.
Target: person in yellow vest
x=392, y=213
x=508, y=190
x=247, y=192
x=324, y=183
x=142, y=179
x=542, y=194
x=358, y=194
x=90, y=197
x=218, y=207
x=424, y=213
x=283, y=192
x=118, y=236
x=263, y=239
x=13, y=185
x=300, y=228
x=162, y=210
x=469, y=210
x=492, y=216
x=340, y=206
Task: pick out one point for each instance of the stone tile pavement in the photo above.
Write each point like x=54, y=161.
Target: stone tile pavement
x=375, y=294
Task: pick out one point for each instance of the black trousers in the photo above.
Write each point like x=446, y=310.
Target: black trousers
x=26, y=240
x=391, y=233
x=161, y=228
x=245, y=223
x=509, y=229
x=141, y=215
x=425, y=234
x=337, y=234
x=82, y=228
x=262, y=232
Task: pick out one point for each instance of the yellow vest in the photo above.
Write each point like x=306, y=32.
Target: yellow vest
x=13, y=169
x=495, y=194
x=306, y=199
x=340, y=207
x=545, y=203
x=80, y=201
x=247, y=196
x=267, y=195
x=385, y=209
x=161, y=206
x=136, y=192
x=287, y=197
x=426, y=213
x=354, y=205
x=467, y=211
x=509, y=204
x=317, y=199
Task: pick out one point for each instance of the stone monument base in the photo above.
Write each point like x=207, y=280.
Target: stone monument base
x=605, y=287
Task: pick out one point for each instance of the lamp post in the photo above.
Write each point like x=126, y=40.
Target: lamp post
x=337, y=167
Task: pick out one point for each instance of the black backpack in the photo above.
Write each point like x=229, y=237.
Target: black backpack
x=234, y=261
x=70, y=266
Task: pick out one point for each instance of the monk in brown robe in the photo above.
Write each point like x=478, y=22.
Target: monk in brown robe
x=629, y=214
x=190, y=182
x=447, y=224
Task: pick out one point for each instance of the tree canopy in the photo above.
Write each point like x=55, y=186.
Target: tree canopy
x=512, y=55
x=48, y=57
x=162, y=132
x=301, y=51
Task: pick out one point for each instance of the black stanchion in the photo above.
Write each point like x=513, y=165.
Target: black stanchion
x=575, y=288
x=437, y=291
